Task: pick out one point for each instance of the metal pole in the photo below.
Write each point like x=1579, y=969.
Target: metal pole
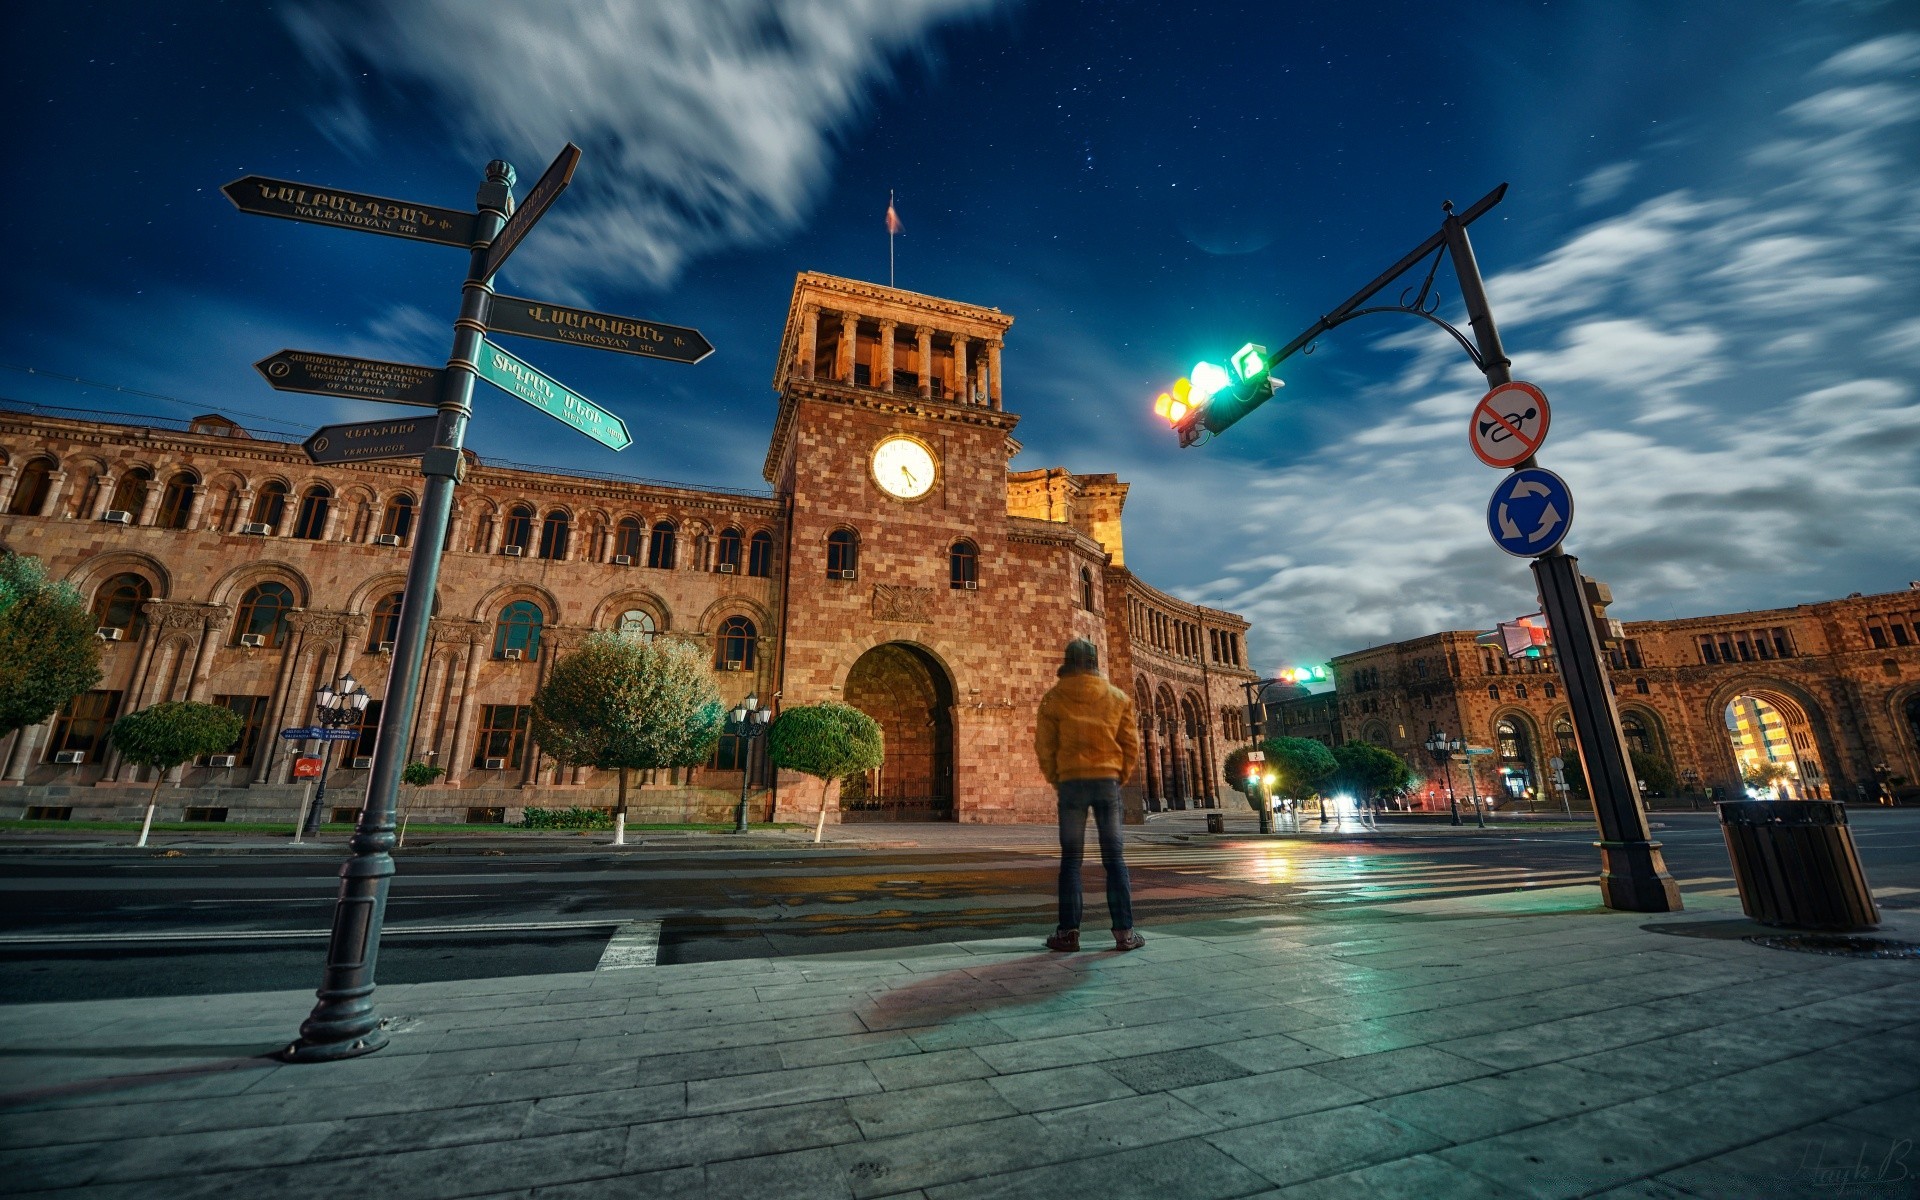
x=343, y=1023
x=311, y=827
x=746, y=774
x=1473, y=792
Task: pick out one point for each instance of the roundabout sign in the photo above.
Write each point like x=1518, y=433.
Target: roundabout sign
x=1530, y=512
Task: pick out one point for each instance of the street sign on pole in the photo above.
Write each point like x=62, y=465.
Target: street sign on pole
x=264, y=197
x=1509, y=424
x=334, y=444
x=600, y=331
x=302, y=733
x=1530, y=512
x=558, y=175
x=552, y=397
x=351, y=378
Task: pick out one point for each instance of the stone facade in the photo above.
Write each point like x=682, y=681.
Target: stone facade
x=942, y=614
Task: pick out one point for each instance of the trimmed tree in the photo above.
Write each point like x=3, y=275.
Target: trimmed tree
x=1369, y=772
x=416, y=775
x=1654, y=771
x=1301, y=766
x=827, y=741
x=619, y=704
x=163, y=736
x=48, y=651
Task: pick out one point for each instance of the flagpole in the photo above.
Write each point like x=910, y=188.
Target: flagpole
x=890, y=239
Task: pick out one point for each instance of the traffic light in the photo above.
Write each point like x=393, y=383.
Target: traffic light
x=1304, y=675
x=1211, y=397
x=1523, y=637
x=1599, y=596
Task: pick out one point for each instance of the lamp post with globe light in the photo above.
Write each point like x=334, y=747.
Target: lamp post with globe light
x=748, y=721
x=335, y=706
x=1443, y=749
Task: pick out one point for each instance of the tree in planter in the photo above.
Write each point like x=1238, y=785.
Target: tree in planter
x=1654, y=771
x=163, y=736
x=416, y=775
x=48, y=651
x=1369, y=772
x=617, y=704
x=1300, y=767
x=827, y=741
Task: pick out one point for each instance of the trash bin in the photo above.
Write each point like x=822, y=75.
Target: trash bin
x=1216, y=822
x=1795, y=864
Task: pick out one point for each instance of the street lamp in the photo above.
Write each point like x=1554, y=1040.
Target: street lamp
x=748, y=722
x=335, y=706
x=1443, y=751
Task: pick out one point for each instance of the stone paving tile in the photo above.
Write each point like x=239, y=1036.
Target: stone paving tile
x=852, y=1047
x=603, y=1110
x=1174, y=1069
x=1895, y=1117
x=1572, y=1037
x=797, y=1174
x=424, y=1130
x=1058, y=1087
x=1008, y=1057
x=1410, y=1069
x=719, y=1136
x=1553, y=1089
x=1823, y=1160
x=1579, y=1155
x=1353, y=1038
x=930, y=1067
x=1190, y=1169
x=960, y=1102
x=1458, y=1113
x=681, y=1182
x=153, y=1158
x=959, y=1034
x=1275, y=1052
x=1129, y=1121
x=950, y=1153
x=1296, y=1149
x=1268, y=1097
x=1133, y=1041
x=779, y=1087
x=1420, y=1177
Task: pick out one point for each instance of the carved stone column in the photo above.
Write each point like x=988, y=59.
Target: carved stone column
x=277, y=700
x=214, y=619
x=926, y=362
x=957, y=386
x=331, y=522
x=242, y=510
x=809, y=339
x=289, y=513
x=993, y=373
x=886, y=355
x=9, y=478
x=150, y=506
x=462, y=749
x=56, y=484
x=849, y=347
x=103, y=495
x=197, y=506
x=25, y=744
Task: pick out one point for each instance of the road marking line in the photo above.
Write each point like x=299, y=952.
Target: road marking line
x=634, y=944
x=277, y=935
x=1702, y=880
x=1883, y=893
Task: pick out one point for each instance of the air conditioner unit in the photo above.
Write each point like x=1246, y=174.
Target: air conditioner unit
x=726, y=568
x=513, y=551
x=849, y=573
x=734, y=664
x=253, y=640
x=361, y=762
x=257, y=528
x=386, y=539
x=108, y=633
x=512, y=655
x=223, y=760
x=496, y=764
x=384, y=648
x=70, y=757
x=119, y=516
x=971, y=585
x=623, y=560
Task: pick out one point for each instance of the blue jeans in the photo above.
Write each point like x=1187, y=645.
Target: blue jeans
x=1103, y=797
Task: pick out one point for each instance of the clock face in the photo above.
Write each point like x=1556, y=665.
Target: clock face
x=903, y=468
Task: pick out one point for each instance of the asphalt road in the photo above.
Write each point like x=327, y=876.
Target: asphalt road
x=120, y=925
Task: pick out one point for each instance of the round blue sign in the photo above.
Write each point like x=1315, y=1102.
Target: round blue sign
x=1530, y=512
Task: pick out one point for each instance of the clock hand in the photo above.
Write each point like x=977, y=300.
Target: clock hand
x=908, y=474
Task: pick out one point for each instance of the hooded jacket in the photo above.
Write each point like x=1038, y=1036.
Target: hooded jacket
x=1085, y=730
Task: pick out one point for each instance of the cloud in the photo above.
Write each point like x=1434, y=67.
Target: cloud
x=708, y=124
x=1894, y=52
x=1870, y=106
x=1605, y=183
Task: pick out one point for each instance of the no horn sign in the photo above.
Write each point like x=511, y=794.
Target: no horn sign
x=1508, y=425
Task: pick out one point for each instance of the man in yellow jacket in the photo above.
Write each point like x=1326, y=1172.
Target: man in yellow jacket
x=1087, y=745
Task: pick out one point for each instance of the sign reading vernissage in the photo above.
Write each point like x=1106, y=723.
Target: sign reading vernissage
x=283, y=198
x=600, y=331
x=369, y=440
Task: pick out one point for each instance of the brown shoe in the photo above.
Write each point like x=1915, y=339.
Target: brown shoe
x=1064, y=940
x=1127, y=939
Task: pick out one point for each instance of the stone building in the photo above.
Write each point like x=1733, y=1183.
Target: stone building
x=1828, y=692
x=895, y=563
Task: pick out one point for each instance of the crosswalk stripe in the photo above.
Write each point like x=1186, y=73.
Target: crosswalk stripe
x=635, y=944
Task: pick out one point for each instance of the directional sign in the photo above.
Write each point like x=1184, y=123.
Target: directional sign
x=302, y=733
x=1530, y=512
x=334, y=444
x=265, y=197
x=551, y=397
x=1509, y=424
x=559, y=175
x=602, y=331
x=352, y=378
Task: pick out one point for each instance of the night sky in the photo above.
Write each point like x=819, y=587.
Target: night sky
x=1706, y=258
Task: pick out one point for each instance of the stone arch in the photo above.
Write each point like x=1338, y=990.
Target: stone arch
x=1518, y=758
x=729, y=606
x=1197, y=736
x=372, y=591
x=91, y=573
x=1807, y=730
x=488, y=609
x=1657, y=741
x=228, y=588
x=908, y=689
x=1903, y=711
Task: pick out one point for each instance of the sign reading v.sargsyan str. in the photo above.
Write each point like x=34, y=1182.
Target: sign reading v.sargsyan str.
x=601, y=331
x=552, y=397
x=352, y=378
x=266, y=197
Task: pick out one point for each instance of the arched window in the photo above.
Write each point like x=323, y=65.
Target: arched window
x=661, y=546
x=270, y=504
x=726, y=556
x=397, y=521
x=553, y=535
x=1493, y=691
x=518, y=633
x=385, y=625
x=117, y=605
x=263, y=614
x=312, y=519
x=519, y=526
x=1086, y=589
x=760, y=555
x=176, y=503
x=733, y=645
x=963, y=565
x=636, y=624
x=843, y=554
x=30, y=490
x=130, y=494
x=627, y=536
x=1634, y=726
x=1640, y=685
x=1520, y=691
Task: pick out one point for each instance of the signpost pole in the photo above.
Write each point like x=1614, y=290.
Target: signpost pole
x=344, y=1023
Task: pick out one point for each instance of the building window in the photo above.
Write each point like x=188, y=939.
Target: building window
x=729, y=753
x=1900, y=635
x=1636, y=733
x=384, y=628
x=1493, y=691
x=176, y=502
x=733, y=645
x=1086, y=590
x=263, y=613
x=660, y=547
x=30, y=490
x=519, y=629
x=1878, y=636
x=1549, y=689
x=369, y=730
x=82, y=725
x=1632, y=647
x=482, y=532
x=519, y=527
x=397, y=520
x=636, y=624
x=727, y=550
x=627, y=538
x=130, y=494
x=271, y=504
x=503, y=734
x=117, y=605
x=963, y=564
x=1520, y=691
x=553, y=535
x=760, y=555
x=1640, y=685
x=843, y=553
x=312, y=519
x=252, y=711
x=1707, y=653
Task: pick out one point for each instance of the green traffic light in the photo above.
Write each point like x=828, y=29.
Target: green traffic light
x=1249, y=360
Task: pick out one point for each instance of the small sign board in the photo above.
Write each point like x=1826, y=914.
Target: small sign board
x=367, y=440
x=264, y=197
x=552, y=397
x=306, y=767
x=1509, y=424
x=1256, y=756
x=319, y=733
x=351, y=378
x=600, y=331
x=1530, y=512
x=528, y=213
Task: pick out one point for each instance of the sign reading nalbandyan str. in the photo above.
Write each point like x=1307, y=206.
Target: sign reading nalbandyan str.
x=552, y=397
x=265, y=197
x=601, y=331
x=352, y=378
x=367, y=440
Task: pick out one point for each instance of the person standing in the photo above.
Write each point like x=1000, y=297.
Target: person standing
x=1085, y=739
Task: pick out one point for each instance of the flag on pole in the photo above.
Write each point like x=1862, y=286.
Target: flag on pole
x=893, y=218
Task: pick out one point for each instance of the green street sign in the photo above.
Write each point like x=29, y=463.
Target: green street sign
x=551, y=397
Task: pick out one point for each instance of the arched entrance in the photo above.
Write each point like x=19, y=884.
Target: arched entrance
x=1514, y=750
x=1774, y=747
x=907, y=690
